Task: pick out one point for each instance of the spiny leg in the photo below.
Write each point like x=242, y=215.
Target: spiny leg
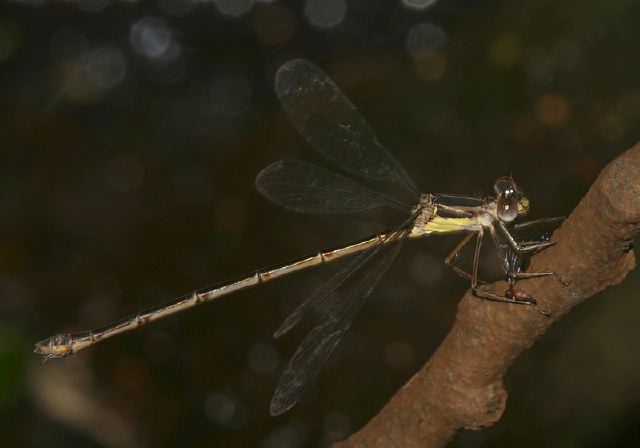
x=516, y=298
x=476, y=259
x=534, y=222
x=449, y=260
x=530, y=247
x=535, y=236
x=522, y=249
x=510, y=267
x=525, y=275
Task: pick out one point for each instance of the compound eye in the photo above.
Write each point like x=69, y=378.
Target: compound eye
x=505, y=186
x=507, y=199
x=507, y=208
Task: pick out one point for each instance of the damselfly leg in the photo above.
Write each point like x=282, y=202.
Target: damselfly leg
x=333, y=127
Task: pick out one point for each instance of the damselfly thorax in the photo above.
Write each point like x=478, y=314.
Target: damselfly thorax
x=332, y=126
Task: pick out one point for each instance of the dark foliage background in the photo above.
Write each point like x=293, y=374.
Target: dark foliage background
x=130, y=139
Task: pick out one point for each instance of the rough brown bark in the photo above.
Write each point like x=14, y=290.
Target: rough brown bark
x=461, y=386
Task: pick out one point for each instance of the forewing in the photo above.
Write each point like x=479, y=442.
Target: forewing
x=332, y=125
x=309, y=188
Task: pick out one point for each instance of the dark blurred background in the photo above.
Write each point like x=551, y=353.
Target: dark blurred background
x=131, y=136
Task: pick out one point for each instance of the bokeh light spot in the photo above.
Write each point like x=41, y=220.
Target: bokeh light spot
x=75, y=84
x=263, y=358
x=291, y=435
x=423, y=39
x=151, y=37
x=325, y=13
x=221, y=408
x=552, y=110
x=106, y=67
x=233, y=8
x=432, y=66
x=539, y=66
x=420, y=5
x=505, y=52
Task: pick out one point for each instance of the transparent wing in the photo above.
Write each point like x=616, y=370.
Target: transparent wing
x=309, y=188
x=322, y=296
x=332, y=125
x=315, y=349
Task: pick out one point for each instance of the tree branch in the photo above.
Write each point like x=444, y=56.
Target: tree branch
x=461, y=386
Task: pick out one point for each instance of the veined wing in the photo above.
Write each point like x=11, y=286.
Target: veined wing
x=308, y=188
x=317, y=347
x=324, y=297
x=332, y=125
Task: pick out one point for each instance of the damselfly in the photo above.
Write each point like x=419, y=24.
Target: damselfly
x=332, y=126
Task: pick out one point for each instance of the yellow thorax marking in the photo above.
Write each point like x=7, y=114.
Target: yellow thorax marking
x=444, y=225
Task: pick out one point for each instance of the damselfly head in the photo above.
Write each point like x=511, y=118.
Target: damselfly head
x=509, y=200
